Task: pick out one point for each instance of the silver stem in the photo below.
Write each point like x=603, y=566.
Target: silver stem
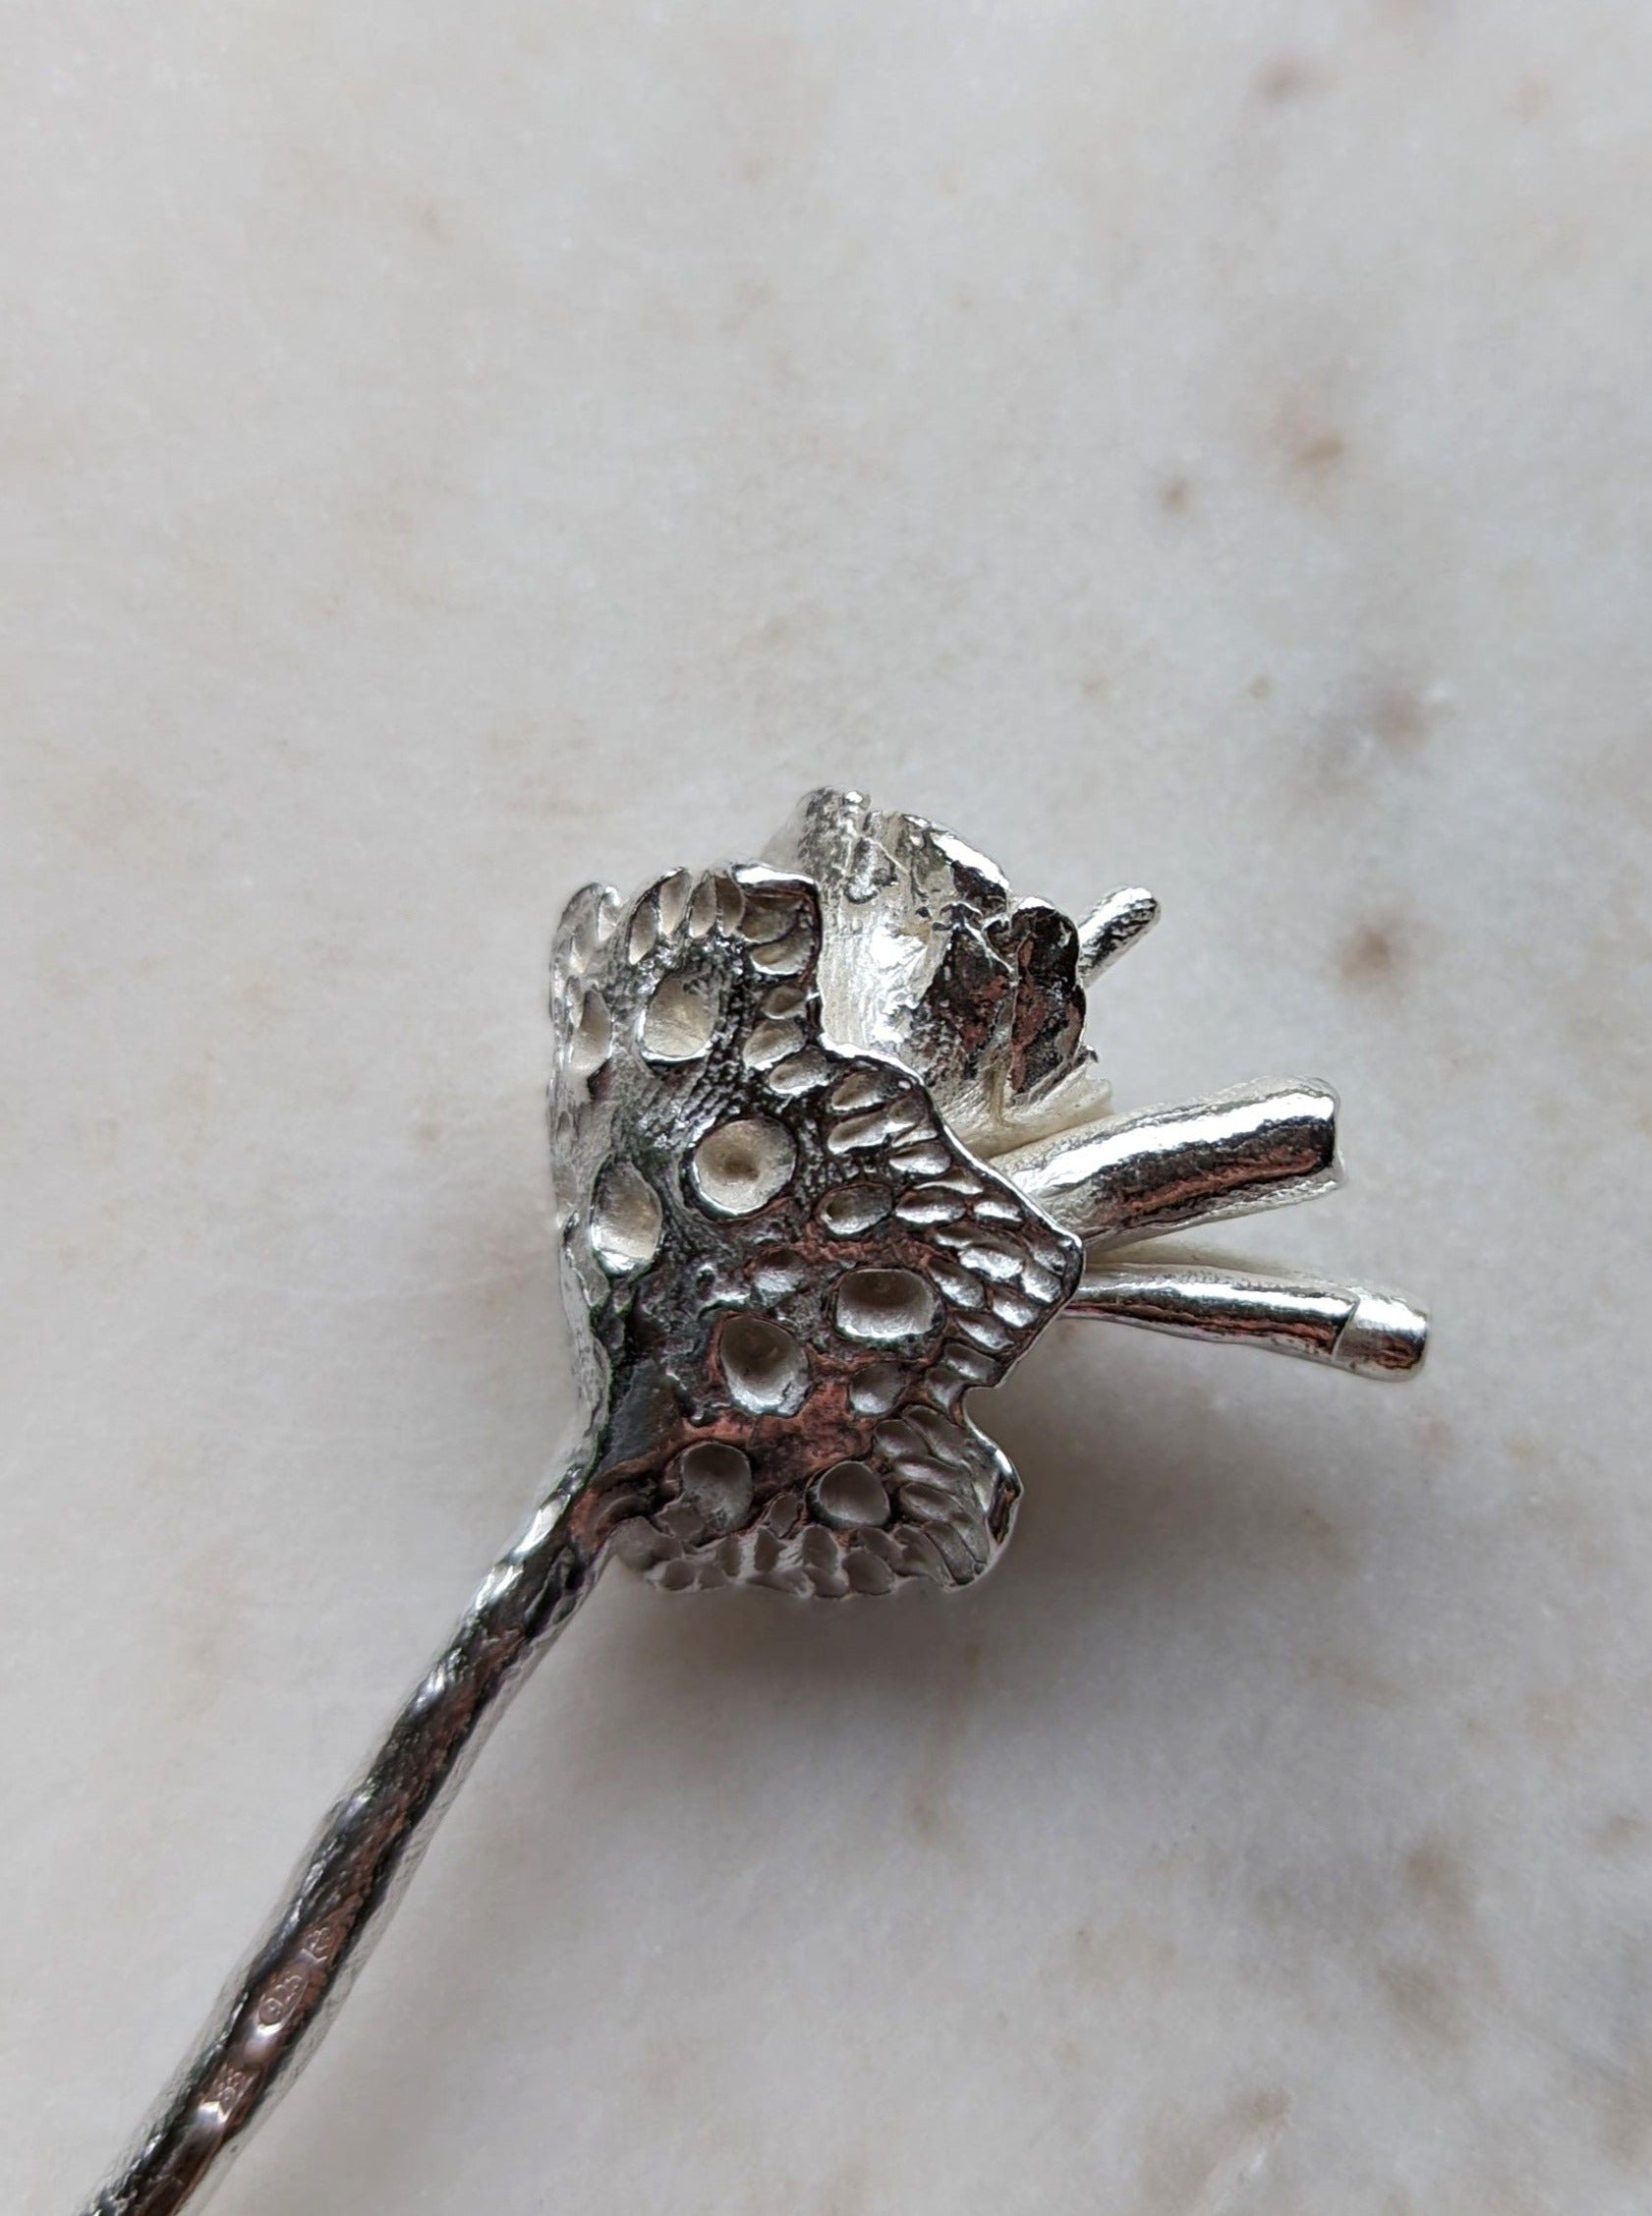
x=1112, y=927
x=1375, y=1334
x=274, y=2013
x=1174, y=1169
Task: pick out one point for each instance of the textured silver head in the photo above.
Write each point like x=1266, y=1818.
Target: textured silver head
x=786, y=1256
x=830, y=1153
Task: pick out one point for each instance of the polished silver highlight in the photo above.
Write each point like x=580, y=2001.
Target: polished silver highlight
x=1371, y=1334
x=1176, y=1168
x=829, y=1155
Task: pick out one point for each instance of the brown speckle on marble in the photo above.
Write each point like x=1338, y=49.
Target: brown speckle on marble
x=1322, y=1539
x=1398, y=718
x=1373, y=954
x=107, y=807
x=1191, y=2167
x=750, y=299
x=427, y=220
x=1423, y=2001
x=848, y=2186
x=1435, y=1877
x=1351, y=1677
x=930, y=1811
x=1318, y=451
x=1176, y=496
x=1385, y=721
x=204, y=1629
x=1623, y=1834
x=1557, y=1718
x=1124, y=1953
x=1304, y=433
x=1286, y=79
x=1623, y=2100
x=1435, y=1441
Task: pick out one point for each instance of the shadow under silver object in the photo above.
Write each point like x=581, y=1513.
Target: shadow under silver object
x=830, y=1153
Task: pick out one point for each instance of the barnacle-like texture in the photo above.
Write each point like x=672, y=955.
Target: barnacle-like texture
x=784, y=1272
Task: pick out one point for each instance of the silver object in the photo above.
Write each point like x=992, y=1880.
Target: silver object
x=829, y=1155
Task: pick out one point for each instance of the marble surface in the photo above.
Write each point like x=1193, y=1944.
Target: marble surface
x=450, y=451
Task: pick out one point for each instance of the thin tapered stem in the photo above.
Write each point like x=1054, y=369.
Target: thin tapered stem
x=276, y=2008
x=1374, y=1335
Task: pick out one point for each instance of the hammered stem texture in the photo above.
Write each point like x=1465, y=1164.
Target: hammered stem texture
x=277, y=2008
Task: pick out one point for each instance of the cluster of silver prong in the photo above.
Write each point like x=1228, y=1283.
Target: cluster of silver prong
x=1128, y=1179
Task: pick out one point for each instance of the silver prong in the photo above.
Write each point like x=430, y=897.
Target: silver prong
x=1113, y=929
x=1375, y=1334
x=1173, y=1168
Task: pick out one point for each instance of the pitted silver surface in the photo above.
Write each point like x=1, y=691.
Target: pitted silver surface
x=784, y=1272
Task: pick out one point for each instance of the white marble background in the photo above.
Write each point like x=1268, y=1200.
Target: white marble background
x=450, y=450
